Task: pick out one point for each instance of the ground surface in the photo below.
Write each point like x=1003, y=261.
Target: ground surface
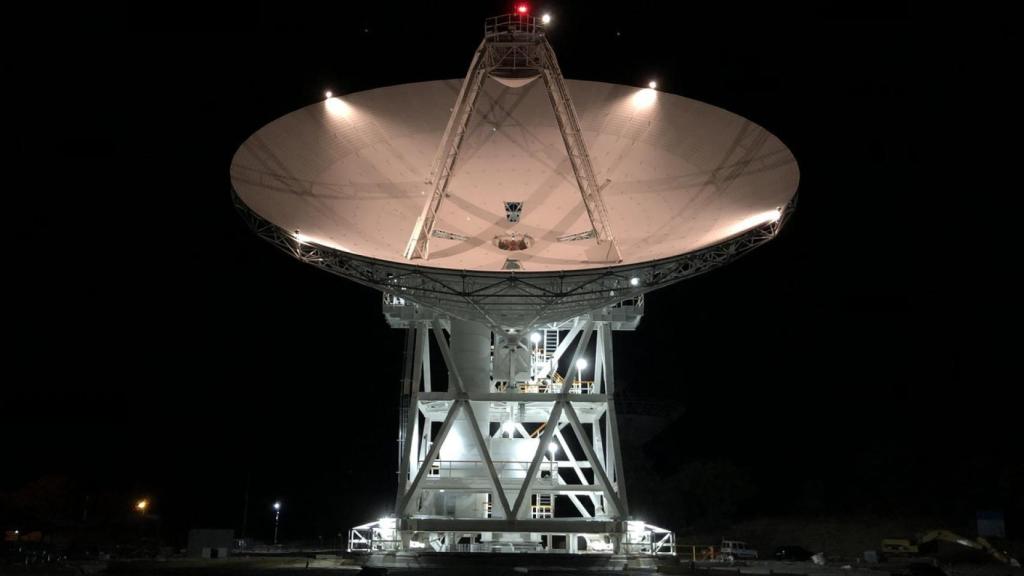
x=468, y=565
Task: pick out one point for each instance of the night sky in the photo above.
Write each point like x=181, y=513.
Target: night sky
x=155, y=347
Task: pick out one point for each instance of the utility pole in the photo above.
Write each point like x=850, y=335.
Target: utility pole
x=277, y=518
x=245, y=507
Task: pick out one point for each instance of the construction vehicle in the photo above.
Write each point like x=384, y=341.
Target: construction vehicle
x=928, y=544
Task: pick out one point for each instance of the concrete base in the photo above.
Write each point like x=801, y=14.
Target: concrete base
x=515, y=563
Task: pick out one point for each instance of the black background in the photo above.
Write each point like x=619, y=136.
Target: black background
x=157, y=348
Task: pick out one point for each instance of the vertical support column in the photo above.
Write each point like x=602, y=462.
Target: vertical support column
x=424, y=439
x=613, y=425
x=424, y=335
x=470, y=345
x=409, y=412
x=599, y=453
x=470, y=354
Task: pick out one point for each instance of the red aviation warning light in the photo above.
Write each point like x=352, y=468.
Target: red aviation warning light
x=522, y=8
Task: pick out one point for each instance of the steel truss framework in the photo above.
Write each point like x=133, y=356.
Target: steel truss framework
x=514, y=47
x=513, y=300
x=580, y=421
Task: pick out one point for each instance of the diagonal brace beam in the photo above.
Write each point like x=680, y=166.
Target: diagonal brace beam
x=435, y=448
x=599, y=473
x=549, y=428
x=447, y=154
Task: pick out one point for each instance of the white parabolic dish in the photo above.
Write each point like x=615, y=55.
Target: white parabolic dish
x=349, y=174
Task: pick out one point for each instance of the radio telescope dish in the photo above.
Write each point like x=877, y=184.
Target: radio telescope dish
x=527, y=219
x=344, y=180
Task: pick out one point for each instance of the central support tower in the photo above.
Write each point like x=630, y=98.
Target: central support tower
x=513, y=453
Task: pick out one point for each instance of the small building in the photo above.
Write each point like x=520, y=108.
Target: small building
x=991, y=525
x=210, y=543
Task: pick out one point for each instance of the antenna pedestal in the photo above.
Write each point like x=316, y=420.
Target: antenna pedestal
x=512, y=454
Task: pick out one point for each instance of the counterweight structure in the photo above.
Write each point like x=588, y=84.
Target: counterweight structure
x=518, y=449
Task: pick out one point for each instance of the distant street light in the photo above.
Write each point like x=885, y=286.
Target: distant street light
x=277, y=518
x=141, y=506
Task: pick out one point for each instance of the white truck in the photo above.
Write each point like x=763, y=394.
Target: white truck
x=732, y=550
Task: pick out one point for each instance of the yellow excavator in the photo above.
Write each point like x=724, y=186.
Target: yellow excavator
x=896, y=547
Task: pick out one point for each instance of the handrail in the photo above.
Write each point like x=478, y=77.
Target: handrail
x=500, y=466
x=558, y=381
x=512, y=24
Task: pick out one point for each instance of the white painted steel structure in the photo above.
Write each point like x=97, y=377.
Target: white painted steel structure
x=496, y=249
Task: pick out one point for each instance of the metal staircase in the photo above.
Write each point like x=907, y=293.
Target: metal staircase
x=542, y=366
x=551, y=340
